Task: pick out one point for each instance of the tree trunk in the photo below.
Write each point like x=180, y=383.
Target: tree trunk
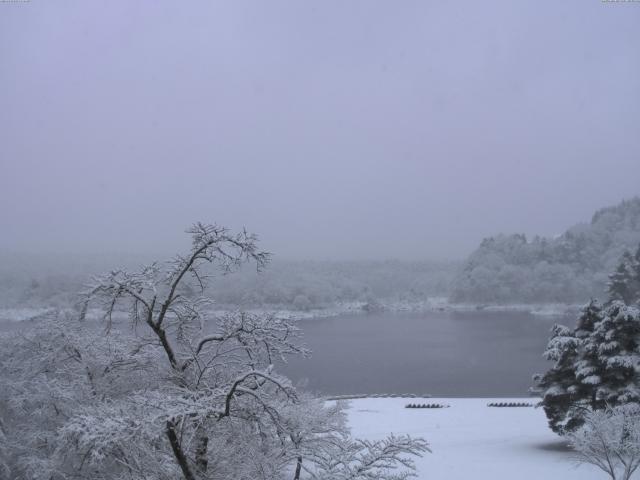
x=181, y=458
x=162, y=336
x=298, y=469
x=202, y=462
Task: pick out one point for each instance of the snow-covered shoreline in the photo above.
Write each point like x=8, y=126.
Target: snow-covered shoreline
x=435, y=304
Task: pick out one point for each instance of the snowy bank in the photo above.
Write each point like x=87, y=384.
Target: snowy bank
x=471, y=441
x=434, y=304
x=24, y=314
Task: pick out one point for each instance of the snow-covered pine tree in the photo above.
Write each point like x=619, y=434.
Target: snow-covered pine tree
x=564, y=395
x=596, y=365
x=635, y=284
x=620, y=282
x=624, y=282
x=615, y=342
x=588, y=368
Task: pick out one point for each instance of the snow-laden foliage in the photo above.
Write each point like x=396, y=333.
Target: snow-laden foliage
x=368, y=460
x=171, y=392
x=52, y=372
x=597, y=364
x=610, y=440
x=624, y=282
x=562, y=394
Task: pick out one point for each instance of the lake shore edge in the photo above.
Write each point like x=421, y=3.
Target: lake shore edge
x=435, y=304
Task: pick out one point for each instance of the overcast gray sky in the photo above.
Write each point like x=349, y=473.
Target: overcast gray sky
x=333, y=129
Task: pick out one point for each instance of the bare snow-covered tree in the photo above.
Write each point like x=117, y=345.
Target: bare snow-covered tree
x=217, y=378
x=610, y=440
x=324, y=450
x=364, y=459
x=211, y=405
x=175, y=391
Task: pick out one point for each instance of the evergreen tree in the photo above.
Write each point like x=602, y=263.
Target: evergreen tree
x=558, y=384
x=564, y=395
x=624, y=283
x=588, y=368
x=597, y=365
x=635, y=267
x=616, y=342
x=620, y=286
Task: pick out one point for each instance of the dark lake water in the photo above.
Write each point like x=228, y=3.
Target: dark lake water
x=438, y=353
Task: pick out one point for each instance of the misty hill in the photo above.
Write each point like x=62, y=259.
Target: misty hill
x=570, y=268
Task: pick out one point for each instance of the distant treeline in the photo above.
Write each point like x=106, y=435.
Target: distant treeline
x=298, y=285
x=314, y=284
x=504, y=269
x=570, y=268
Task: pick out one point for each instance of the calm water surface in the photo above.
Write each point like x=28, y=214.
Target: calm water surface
x=439, y=353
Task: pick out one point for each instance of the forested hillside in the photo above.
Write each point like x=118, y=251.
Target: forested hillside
x=570, y=268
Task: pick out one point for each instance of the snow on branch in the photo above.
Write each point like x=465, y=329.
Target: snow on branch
x=367, y=460
x=610, y=440
x=157, y=294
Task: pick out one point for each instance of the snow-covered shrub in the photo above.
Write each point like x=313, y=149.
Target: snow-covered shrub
x=610, y=440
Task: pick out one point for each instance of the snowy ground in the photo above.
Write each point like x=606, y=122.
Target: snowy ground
x=471, y=441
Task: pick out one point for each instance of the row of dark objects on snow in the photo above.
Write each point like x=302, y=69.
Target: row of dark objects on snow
x=426, y=405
